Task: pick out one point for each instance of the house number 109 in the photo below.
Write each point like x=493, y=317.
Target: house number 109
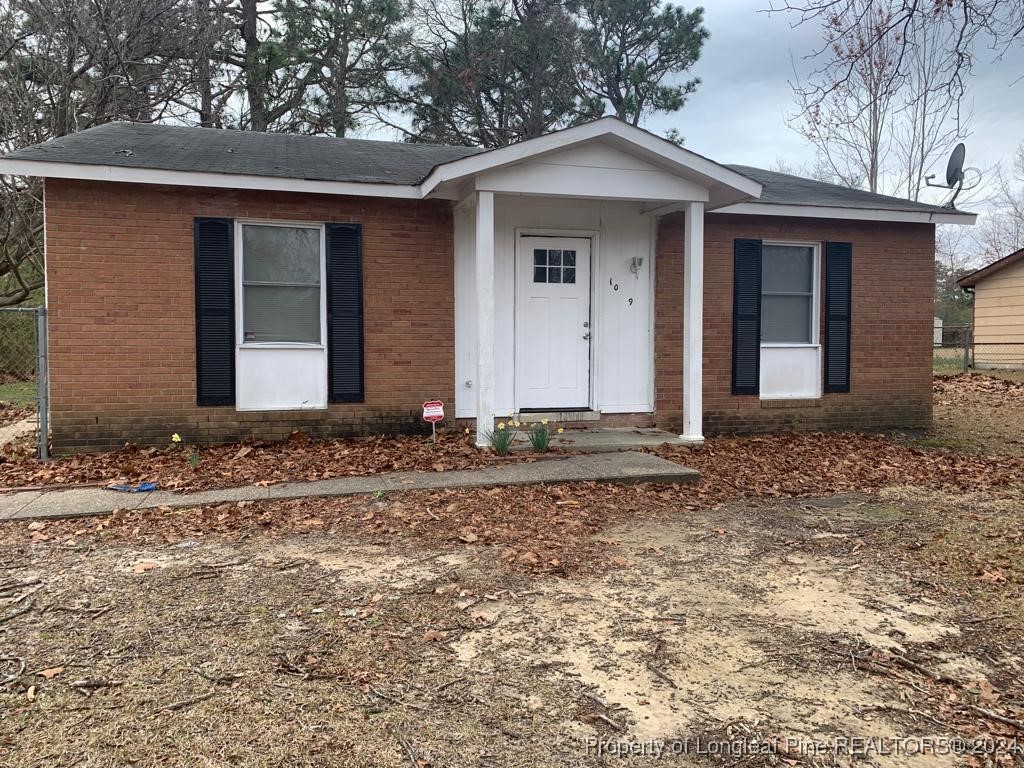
x=615, y=287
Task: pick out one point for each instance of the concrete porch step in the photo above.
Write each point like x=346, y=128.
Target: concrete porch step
x=605, y=439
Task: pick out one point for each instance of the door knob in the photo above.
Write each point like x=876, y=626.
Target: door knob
x=586, y=337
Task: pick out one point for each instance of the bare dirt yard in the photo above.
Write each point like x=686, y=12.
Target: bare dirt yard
x=811, y=590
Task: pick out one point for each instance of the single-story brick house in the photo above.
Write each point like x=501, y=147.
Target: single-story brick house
x=222, y=284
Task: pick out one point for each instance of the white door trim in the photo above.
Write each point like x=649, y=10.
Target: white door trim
x=594, y=236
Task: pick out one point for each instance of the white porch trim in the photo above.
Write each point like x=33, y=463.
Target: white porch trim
x=724, y=185
x=484, y=316
x=693, y=324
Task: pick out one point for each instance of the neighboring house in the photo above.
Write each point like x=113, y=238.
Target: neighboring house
x=222, y=284
x=998, y=309
x=937, y=334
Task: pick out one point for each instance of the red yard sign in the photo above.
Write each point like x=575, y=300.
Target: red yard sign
x=433, y=411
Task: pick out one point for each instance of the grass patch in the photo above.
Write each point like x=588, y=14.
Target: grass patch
x=948, y=359
x=18, y=394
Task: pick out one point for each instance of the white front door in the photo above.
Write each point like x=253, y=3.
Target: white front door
x=552, y=355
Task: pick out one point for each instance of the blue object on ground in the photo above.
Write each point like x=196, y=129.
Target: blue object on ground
x=127, y=488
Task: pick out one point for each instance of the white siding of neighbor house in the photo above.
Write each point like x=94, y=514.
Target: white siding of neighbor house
x=622, y=377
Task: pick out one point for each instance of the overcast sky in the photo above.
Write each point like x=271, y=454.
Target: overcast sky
x=738, y=113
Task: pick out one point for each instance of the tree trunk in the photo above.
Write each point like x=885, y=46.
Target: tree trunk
x=258, y=120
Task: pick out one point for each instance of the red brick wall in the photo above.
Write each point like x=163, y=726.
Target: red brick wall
x=891, y=355
x=122, y=327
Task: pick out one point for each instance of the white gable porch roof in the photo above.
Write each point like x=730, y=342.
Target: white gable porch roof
x=605, y=159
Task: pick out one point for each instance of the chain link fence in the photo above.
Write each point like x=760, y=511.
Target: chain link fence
x=23, y=379
x=958, y=352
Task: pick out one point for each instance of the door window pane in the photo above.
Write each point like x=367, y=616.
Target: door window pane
x=281, y=296
x=554, y=266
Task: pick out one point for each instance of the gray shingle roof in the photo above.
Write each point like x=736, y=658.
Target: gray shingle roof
x=211, y=150
x=784, y=189
x=319, y=158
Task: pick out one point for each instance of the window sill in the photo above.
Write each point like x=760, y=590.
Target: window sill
x=279, y=345
x=788, y=345
x=277, y=409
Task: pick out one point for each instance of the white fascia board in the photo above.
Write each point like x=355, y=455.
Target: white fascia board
x=201, y=179
x=860, y=214
x=650, y=145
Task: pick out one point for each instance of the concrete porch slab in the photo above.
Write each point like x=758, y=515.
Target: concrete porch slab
x=622, y=467
x=606, y=439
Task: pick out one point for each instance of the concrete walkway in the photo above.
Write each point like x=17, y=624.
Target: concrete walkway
x=623, y=467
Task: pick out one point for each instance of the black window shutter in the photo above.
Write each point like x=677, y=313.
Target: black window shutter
x=838, y=310
x=344, y=313
x=215, y=311
x=746, y=317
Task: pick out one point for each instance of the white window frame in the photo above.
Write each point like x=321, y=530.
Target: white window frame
x=241, y=343
x=815, y=319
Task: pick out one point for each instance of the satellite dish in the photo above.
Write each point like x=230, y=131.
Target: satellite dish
x=954, y=174
x=955, y=166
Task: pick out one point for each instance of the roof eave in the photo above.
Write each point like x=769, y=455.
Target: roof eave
x=969, y=281
x=60, y=170
x=923, y=216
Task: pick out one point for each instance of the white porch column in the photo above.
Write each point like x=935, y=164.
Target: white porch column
x=693, y=324
x=484, y=316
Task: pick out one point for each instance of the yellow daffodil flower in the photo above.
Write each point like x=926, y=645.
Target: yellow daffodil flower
x=175, y=438
x=560, y=430
x=501, y=425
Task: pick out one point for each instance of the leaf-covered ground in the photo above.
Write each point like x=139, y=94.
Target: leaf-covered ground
x=254, y=461
x=11, y=416
x=810, y=587
x=981, y=412
x=976, y=412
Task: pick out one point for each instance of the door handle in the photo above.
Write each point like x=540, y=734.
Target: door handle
x=586, y=337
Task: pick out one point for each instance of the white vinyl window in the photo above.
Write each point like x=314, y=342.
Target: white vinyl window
x=281, y=284
x=789, y=286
